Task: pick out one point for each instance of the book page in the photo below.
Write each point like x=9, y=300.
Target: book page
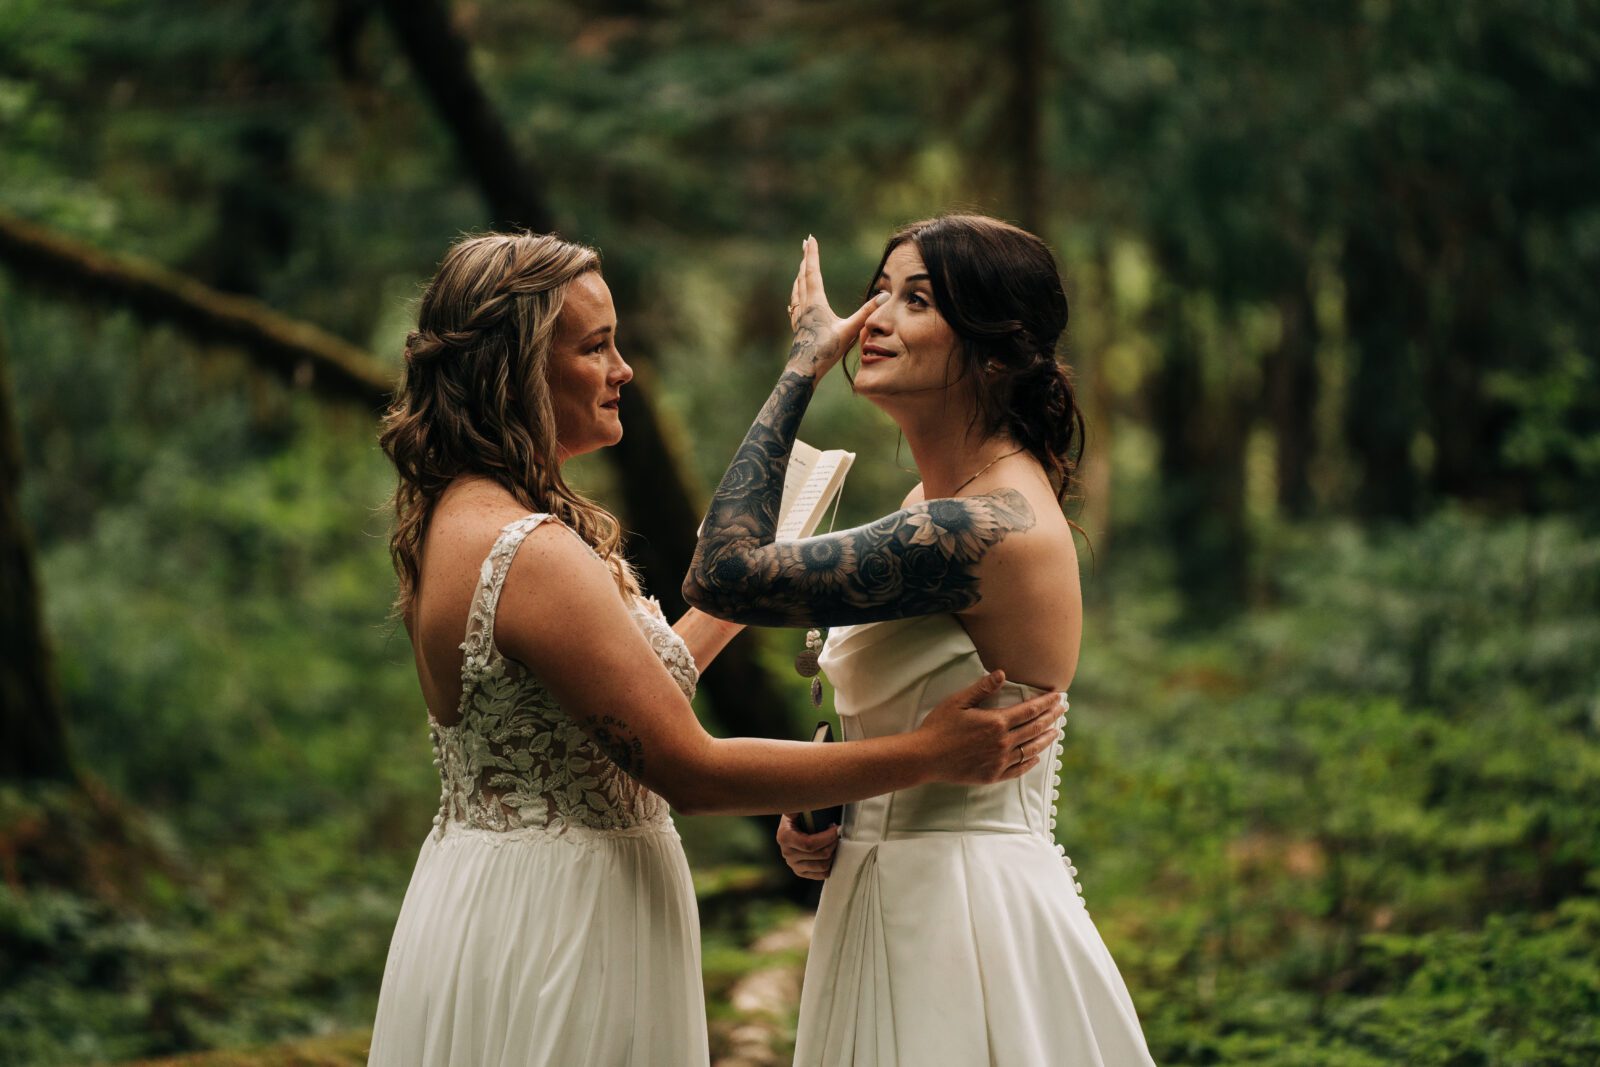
x=810, y=486
x=802, y=458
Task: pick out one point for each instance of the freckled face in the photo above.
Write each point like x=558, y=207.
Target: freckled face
x=906, y=344
x=587, y=372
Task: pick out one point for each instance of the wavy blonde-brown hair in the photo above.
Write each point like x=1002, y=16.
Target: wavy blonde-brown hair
x=474, y=398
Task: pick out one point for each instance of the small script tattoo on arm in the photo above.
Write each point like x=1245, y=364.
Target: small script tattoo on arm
x=618, y=741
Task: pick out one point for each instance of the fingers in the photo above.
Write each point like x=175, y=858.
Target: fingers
x=817, y=872
x=811, y=267
x=795, y=304
x=981, y=690
x=792, y=839
x=1018, y=770
x=811, y=846
x=851, y=327
x=808, y=855
x=802, y=278
x=1021, y=716
x=1036, y=745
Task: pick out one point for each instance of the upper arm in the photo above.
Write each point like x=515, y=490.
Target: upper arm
x=560, y=616
x=920, y=560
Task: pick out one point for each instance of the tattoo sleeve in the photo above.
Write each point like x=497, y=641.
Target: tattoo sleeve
x=918, y=561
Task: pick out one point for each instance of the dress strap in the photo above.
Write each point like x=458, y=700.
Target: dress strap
x=479, y=645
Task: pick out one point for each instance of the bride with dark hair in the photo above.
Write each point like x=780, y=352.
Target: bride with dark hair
x=952, y=929
x=550, y=917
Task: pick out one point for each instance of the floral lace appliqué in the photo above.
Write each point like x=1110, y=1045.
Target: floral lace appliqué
x=515, y=760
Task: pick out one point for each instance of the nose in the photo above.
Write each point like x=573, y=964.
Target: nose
x=620, y=373
x=880, y=320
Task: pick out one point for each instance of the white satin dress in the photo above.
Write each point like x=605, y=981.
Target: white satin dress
x=550, y=920
x=951, y=931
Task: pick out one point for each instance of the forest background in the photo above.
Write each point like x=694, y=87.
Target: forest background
x=1331, y=778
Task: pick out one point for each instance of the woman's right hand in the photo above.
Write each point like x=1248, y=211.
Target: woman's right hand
x=976, y=746
x=808, y=855
x=821, y=338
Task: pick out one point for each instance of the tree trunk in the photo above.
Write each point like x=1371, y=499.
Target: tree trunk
x=1028, y=60
x=650, y=476
x=1291, y=384
x=1381, y=411
x=439, y=57
x=34, y=743
x=1202, y=435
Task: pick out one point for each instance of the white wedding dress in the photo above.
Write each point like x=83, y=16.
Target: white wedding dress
x=550, y=919
x=951, y=932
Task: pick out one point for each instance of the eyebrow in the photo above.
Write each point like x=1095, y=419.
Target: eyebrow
x=596, y=332
x=909, y=278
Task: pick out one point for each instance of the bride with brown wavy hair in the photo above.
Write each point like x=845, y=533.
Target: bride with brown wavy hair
x=550, y=917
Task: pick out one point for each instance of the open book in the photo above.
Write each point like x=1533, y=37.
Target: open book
x=810, y=486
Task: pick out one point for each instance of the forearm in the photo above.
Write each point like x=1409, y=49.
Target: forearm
x=755, y=776
x=706, y=635
x=744, y=508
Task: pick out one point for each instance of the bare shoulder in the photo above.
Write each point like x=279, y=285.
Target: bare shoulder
x=1035, y=567
x=556, y=592
x=461, y=531
x=1029, y=614
x=917, y=496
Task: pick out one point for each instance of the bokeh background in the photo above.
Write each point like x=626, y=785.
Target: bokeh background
x=1332, y=774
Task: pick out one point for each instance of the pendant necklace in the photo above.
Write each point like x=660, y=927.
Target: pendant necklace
x=806, y=663
x=985, y=467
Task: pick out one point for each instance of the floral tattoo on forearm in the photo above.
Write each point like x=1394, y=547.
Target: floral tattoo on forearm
x=919, y=561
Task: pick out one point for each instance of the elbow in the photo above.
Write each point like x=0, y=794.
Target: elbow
x=696, y=593
x=689, y=781
x=702, y=590
x=684, y=805
x=690, y=799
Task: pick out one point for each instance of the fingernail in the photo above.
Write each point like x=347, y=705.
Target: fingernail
x=881, y=299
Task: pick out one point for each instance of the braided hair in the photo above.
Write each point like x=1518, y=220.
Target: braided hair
x=474, y=398
x=998, y=288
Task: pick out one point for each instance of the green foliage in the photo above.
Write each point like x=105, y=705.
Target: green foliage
x=1352, y=825
x=1351, y=828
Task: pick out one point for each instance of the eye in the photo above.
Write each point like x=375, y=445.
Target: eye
x=599, y=348
x=917, y=300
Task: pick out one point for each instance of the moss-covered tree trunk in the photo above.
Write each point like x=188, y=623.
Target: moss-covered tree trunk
x=34, y=741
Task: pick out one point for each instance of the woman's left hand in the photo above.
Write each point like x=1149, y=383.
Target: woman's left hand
x=821, y=338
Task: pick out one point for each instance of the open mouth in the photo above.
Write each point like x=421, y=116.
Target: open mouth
x=613, y=405
x=872, y=354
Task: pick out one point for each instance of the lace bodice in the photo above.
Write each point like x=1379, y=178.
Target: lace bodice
x=515, y=760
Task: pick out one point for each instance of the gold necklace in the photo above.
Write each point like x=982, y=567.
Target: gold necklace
x=985, y=467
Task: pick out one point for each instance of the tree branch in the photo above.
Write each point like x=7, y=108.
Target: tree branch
x=306, y=355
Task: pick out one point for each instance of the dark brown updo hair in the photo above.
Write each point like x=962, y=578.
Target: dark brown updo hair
x=997, y=286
